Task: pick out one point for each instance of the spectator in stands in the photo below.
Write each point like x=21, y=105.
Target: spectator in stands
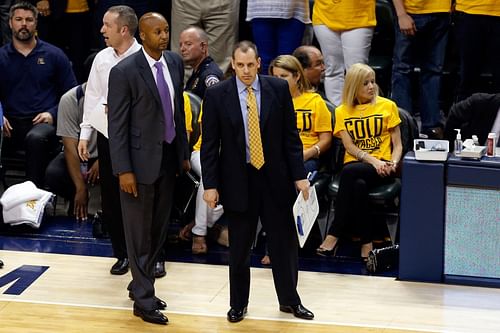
x=118, y=29
x=369, y=128
x=193, y=46
x=34, y=76
x=421, y=26
x=344, y=30
x=314, y=121
x=205, y=217
x=65, y=175
x=194, y=50
x=278, y=26
x=74, y=39
x=478, y=115
x=477, y=25
x=312, y=62
x=5, y=34
x=218, y=18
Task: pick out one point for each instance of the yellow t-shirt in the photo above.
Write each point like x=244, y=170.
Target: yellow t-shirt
x=189, y=115
x=313, y=117
x=344, y=14
x=427, y=6
x=77, y=6
x=479, y=7
x=368, y=125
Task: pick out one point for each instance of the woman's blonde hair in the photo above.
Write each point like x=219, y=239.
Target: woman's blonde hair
x=354, y=79
x=291, y=64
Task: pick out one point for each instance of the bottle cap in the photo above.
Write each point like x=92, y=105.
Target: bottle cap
x=459, y=136
x=492, y=135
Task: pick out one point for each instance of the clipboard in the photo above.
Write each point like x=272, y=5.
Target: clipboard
x=305, y=214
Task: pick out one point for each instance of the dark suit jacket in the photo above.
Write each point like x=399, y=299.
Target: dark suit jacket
x=135, y=117
x=223, y=149
x=474, y=116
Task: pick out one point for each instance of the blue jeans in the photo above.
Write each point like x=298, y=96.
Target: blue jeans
x=426, y=50
x=275, y=37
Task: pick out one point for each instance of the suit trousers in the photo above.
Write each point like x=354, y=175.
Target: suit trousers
x=281, y=237
x=110, y=199
x=146, y=219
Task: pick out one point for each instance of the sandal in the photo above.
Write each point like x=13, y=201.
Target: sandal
x=199, y=245
x=185, y=233
x=266, y=260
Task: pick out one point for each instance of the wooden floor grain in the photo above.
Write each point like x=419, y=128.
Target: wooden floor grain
x=77, y=294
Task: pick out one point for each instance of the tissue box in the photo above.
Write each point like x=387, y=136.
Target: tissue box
x=475, y=152
x=431, y=150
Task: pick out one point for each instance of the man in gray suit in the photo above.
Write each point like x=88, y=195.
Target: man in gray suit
x=148, y=145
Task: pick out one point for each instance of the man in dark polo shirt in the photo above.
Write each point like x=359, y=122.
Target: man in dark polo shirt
x=193, y=45
x=34, y=76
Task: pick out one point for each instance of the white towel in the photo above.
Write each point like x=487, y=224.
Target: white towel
x=24, y=204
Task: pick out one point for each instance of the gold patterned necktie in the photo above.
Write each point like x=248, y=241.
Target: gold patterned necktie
x=254, y=139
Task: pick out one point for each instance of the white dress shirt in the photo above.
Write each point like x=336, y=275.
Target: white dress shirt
x=96, y=94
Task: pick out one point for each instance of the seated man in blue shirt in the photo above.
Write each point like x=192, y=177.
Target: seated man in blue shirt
x=35, y=75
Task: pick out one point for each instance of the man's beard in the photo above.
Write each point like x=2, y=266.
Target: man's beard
x=23, y=35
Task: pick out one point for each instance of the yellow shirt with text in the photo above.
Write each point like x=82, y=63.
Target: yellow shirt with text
x=368, y=125
x=313, y=117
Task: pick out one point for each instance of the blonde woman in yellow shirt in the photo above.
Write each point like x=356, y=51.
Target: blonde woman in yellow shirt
x=477, y=30
x=369, y=128
x=344, y=29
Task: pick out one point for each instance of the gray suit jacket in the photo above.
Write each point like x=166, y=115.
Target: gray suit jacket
x=135, y=117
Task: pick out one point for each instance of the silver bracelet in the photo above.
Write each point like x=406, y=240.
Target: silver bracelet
x=360, y=155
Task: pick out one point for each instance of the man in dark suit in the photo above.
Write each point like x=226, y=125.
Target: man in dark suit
x=250, y=166
x=148, y=145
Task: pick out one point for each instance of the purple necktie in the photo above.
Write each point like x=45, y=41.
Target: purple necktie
x=166, y=103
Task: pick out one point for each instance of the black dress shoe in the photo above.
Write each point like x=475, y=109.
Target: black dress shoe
x=160, y=269
x=160, y=304
x=152, y=316
x=120, y=267
x=298, y=311
x=236, y=315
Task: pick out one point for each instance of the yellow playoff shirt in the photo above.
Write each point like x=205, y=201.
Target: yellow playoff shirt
x=479, y=7
x=197, y=145
x=427, y=6
x=313, y=117
x=368, y=125
x=189, y=115
x=77, y=6
x=344, y=14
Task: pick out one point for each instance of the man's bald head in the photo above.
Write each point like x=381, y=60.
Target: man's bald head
x=154, y=33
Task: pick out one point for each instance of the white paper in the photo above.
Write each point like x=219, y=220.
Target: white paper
x=304, y=214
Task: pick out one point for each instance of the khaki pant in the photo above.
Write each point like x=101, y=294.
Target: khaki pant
x=219, y=19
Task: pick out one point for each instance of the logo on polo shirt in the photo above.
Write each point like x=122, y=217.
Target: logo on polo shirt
x=40, y=61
